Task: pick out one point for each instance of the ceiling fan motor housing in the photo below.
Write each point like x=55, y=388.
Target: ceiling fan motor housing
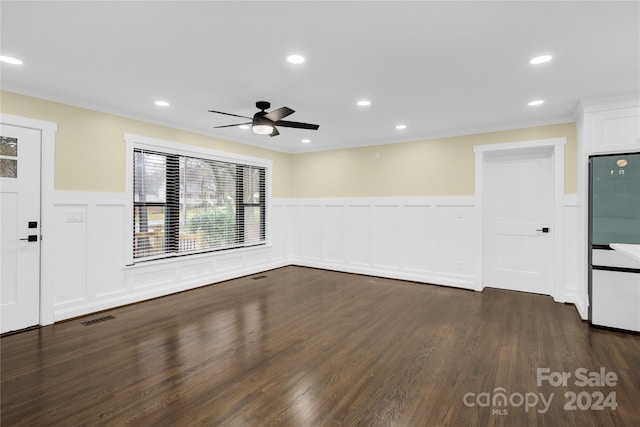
x=263, y=105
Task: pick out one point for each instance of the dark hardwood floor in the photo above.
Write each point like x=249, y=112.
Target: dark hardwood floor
x=306, y=347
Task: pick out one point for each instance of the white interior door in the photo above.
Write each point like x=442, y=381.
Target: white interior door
x=20, y=229
x=518, y=218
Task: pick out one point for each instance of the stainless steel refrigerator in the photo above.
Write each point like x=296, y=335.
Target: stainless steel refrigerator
x=614, y=237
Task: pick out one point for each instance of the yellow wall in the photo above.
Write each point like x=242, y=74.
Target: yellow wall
x=438, y=167
x=85, y=134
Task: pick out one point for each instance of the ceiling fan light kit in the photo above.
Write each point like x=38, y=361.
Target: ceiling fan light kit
x=263, y=129
x=264, y=123
x=262, y=126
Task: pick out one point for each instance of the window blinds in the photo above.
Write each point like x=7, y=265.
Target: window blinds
x=186, y=205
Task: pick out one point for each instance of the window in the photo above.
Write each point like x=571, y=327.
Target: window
x=185, y=204
x=8, y=157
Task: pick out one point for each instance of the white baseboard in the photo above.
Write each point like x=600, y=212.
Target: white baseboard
x=118, y=299
x=455, y=281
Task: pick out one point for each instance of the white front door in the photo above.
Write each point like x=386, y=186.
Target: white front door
x=518, y=219
x=20, y=229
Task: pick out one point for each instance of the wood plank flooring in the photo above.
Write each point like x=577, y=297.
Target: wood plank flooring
x=306, y=347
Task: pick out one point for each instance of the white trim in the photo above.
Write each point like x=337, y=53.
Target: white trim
x=441, y=279
x=451, y=133
x=557, y=147
x=194, y=257
x=426, y=238
x=101, y=108
x=570, y=200
x=81, y=197
x=381, y=201
x=614, y=102
x=308, y=148
x=47, y=178
x=138, y=141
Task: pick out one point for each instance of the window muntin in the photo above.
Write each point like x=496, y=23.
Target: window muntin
x=184, y=204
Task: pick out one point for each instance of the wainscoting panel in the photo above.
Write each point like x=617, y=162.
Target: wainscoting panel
x=228, y=262
x=384, y=228
x=400, y=238
x=70, y=247
x=107, y=271
x=255, y=257
x=312, y=232
x=422, y=239
x=294, y=231
x=415, y=253
x=153, y=277
x=89, y=251
x=334, y=219
x=358, y=235
x=279, y=232
x=195, y=270
x=454, y=239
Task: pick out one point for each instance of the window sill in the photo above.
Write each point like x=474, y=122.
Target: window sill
x=194, y=257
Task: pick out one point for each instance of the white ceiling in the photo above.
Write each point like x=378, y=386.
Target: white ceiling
x=441, y=68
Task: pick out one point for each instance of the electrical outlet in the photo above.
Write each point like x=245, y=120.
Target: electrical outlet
x=459, y=266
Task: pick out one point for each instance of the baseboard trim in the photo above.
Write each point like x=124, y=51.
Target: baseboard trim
x=450, y=280
x=150, y=294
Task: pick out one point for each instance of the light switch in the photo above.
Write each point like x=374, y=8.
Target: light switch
x=74, y=216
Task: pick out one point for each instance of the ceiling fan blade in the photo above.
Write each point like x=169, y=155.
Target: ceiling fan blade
x=278, y=114
x=275, y=132
x=229, y=114
x=228, y=126
x=298, y=125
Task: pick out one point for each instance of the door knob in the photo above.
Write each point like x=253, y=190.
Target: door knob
x=31, y=238
x=544, y=229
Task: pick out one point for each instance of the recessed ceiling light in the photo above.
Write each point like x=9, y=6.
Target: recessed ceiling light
x=10, y=60
x=295, y=59
x=401, y=126
x=364, y=102
x=306, y=141
x=536, y=102
x=540, y=59
x=161, y=103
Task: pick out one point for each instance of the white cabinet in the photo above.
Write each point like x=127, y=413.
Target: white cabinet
x=616, y=299
x=615, y=131
x=615, y=288
x=608, y=125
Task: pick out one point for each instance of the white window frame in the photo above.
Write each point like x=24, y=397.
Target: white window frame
x=147, y=143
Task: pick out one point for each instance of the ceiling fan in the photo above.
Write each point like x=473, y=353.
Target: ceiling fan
x=264, y=123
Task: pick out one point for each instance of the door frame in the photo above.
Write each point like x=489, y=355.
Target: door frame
x=556, y=147
x=47, y=174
